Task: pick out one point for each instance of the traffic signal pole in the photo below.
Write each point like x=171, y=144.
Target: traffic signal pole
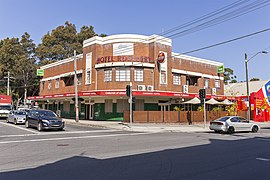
x=202, y=95
x=204, y=112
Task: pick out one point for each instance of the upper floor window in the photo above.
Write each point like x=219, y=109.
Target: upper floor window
x=138, y=74
x=68, y=80
x=217, y=83
x=57, y=81
x=88, y=77
x=107, y=75
x=122, y=74
x=42, y=85
x=163, y=77
x=49, y=84
x=206, y=82
x=176, y=79
x=79, y=78
x=192, y=80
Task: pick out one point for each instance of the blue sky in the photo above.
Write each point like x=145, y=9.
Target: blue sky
x=147, y=18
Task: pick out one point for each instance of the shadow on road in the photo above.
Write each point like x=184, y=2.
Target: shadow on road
x=232, y=159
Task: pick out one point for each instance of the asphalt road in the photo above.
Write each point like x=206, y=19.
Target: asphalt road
x=80, y=153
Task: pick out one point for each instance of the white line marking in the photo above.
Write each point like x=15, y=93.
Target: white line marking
x=69, y=138
x=60, y=133
x=32, y=131
x=76, y=132
x=263, y=159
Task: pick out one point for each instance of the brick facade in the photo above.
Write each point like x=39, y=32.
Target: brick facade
x=130, y=52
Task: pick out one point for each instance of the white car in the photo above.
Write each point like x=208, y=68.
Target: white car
x=231, y=124
x=17, y=117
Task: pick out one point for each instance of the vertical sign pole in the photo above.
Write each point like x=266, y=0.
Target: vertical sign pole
x=76, y=88
x=130, y=106
x=204, y=109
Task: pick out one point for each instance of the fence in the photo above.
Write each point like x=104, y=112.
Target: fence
x=175, y=116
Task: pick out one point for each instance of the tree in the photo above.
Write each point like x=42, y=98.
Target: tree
x=59, y=44
x=229, y=77
x=86, y=33
x=18, y=57
x=255, y=79
x=62, y=41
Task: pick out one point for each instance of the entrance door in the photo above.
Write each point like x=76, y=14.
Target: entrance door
x=89, y=110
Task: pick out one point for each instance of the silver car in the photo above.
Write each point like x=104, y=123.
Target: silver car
x=231, y=124
x=17, y=117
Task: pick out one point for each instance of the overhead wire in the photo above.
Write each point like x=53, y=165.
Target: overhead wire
x=228, y=41
x=223, y=18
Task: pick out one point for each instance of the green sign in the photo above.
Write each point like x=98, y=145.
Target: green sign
x=220, y=69
x=40, y=72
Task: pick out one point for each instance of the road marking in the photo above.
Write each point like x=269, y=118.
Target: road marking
x=263, y=159
x=55, y=133
x=29, y=130
x=76, y=132
x=69, y=138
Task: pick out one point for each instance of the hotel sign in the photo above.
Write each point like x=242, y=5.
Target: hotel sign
x=108, y=59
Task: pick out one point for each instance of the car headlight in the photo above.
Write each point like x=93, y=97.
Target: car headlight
x=45, y=121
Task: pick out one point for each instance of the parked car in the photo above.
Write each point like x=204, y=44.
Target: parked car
x=231, y=124
x=44, y=119
x=16, y=117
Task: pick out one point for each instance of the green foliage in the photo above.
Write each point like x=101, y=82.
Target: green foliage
x=216, y=109
x=18, y=57
x=200, y=108
x=61, y=42
x=231, y=109
x=176, y=108
x=229, y=77
x=21, y=57
x=255, y=79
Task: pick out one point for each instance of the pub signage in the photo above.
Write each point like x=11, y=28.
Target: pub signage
x=108, y=59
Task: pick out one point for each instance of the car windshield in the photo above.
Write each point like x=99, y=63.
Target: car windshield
x=223, y=118
x=20, y=113
x=47, y=113
x=5, y=107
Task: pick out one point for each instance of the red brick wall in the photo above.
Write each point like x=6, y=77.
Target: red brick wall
x=140, y=49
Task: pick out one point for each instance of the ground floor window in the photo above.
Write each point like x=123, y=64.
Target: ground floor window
x=122, y=105
x=108, y=105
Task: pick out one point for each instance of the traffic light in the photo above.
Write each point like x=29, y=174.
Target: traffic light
x=202, y=93
x=128, y=90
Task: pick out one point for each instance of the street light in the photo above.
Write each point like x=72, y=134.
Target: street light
x=246, y=64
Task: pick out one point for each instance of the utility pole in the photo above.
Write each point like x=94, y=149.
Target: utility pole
x=8, y=77
x=25, y=90
x=76, y=88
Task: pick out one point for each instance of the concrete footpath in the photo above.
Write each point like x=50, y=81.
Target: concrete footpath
x=147, y=127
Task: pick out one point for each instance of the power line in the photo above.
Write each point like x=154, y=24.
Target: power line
x=214, y=21
x=225, y=42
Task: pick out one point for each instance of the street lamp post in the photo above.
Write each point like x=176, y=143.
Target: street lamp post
x=247, y=84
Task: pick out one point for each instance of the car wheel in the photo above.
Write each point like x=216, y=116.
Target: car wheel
x=27, y=124
x=230, y=130
x=61, y=129
x=216, y=131
x=39, y=127
x=255, y=129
